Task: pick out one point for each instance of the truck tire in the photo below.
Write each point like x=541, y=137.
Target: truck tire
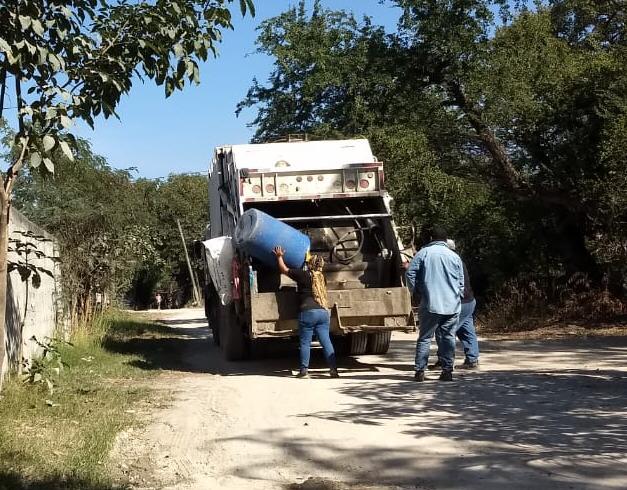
x=379, y=342
x=340, y=345
x=215, y=328
x=232, y=340
x=212, y=306
x=358, y=342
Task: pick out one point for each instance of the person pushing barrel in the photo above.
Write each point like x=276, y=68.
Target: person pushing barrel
x=314, y=314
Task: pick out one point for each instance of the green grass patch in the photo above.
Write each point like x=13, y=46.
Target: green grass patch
x=62, y=439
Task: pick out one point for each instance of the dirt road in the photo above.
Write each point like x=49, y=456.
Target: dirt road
x=539, y=415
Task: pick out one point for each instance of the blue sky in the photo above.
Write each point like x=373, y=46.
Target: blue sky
x=160, y=136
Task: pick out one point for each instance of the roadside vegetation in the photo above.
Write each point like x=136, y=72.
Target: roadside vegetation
x=117, y=250
x=58, y=434
x=504, y=121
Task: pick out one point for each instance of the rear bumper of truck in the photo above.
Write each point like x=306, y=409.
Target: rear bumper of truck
x=353, y=310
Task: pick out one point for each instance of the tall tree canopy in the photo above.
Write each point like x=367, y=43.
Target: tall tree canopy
x=124, y=248
x=504, y=121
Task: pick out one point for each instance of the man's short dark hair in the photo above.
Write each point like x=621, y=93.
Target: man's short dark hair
x=439, y=233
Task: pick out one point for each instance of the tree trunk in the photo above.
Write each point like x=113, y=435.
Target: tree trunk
x=509, y=175
x=4, y=241
x=568, y=236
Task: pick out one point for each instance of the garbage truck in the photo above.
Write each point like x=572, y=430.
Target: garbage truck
x=331, y=191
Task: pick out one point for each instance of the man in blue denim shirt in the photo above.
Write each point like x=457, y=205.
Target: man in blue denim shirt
x=436, y=274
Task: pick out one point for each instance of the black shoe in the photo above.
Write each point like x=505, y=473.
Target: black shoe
x=469, y=365
x=419, y=376
x=437, y=365
x=446, y=376
x=333, y=373
x=303, y=374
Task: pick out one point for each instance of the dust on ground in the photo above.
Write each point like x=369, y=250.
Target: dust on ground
x=545, y=414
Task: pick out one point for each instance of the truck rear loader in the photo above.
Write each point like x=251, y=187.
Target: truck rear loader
x=332, y=191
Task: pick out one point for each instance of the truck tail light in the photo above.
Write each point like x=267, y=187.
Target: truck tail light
x=364, y=184
x=257, y=189
x=270, y=189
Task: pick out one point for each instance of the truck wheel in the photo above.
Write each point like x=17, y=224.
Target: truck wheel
x=340, y=345
x=358, y=341
x=232, y=341
x=379, y=343
x=212, y=306
x=213, y=318
x=215, y=333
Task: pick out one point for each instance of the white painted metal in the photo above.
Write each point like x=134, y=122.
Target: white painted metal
x=312, y=182
x=285, y=171
x=301, y=155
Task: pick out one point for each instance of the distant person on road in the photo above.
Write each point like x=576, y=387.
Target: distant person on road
x=158, y=300
x=436, y=274
x=466, y=332
x=314, y=314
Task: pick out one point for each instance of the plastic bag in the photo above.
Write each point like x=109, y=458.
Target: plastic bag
x=219, y=255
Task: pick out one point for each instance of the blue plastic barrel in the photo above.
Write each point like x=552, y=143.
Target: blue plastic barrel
x=257, y=233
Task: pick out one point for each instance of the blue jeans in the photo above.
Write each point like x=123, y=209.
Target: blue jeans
x=310, y=321
x=466, y=332
x=444, y=327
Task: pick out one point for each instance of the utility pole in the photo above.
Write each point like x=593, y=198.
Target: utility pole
x=189, y=266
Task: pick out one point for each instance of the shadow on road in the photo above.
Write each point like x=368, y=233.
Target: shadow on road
x=552, y=411
x=566, y=429
x=172, y=345
x=175, y=345
x=165, y=345
x=13, y=481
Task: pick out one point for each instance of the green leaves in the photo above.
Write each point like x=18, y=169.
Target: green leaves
x=326, y=77
x=48, y=142
x=247, y=5
x=66, y=150
x=76, y=60
x=178, y=50
x=4, y=46
x=35, y=159
x=25, y=21
x=107, y=244
x=49, y=165
x=38, y=28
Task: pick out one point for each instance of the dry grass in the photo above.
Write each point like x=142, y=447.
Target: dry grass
x=553, y=303
x=554, y=331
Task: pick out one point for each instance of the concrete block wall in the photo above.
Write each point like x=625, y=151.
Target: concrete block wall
x=31, y=311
